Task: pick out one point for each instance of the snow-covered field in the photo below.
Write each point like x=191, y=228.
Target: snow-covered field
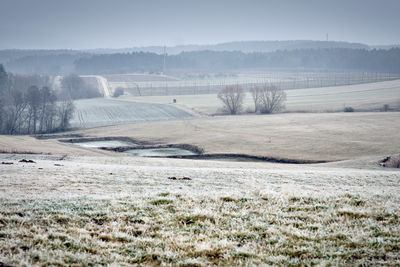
x=101, y=112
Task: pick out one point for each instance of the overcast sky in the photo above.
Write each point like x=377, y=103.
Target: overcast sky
x=75, y=24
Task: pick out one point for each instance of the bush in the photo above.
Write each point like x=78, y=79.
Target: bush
x=385, y=107
x=348, y=109
x=232, y=97
x=268, y=98
x=118, y=92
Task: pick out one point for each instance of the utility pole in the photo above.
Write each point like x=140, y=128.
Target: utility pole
x=165, y=55
x=164, y=70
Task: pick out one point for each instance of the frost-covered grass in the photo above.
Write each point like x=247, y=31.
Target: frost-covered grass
x=174, y=229
x=123, y=211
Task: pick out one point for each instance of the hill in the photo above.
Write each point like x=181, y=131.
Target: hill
x=243, y=46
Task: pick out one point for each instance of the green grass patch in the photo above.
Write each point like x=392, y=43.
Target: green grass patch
x=158, y=202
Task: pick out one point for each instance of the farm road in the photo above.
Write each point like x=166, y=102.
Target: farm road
x=103, y=85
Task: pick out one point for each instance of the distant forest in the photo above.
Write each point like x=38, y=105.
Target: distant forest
x=295, y=55
x=326, y=59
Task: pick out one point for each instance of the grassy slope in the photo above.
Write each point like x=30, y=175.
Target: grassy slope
x=364, y=96
x=325, y=136
x=125, y=211
x=329, y=136
x=28, y=144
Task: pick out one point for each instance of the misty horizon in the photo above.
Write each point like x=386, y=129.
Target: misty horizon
x=162, y=45
x=229, y=42
x=101, y=24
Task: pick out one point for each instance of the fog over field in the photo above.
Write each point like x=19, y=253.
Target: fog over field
x=199, y=133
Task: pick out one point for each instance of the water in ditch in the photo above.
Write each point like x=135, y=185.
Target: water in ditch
x=105, y=143
x=159, y=152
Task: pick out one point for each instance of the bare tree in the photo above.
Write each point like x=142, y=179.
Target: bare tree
x=256, y=94
x=3, y=87
x=232, y=97
x=46, y=112
x=272, y=98
x=3, y=80
x=14, y=112
x=65, y=111
x=33, y=100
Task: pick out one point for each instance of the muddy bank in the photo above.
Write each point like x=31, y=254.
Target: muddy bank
x=245, y=157
x=95, y=139
x=56, y=136
x=196, y=150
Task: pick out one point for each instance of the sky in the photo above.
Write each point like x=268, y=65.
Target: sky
x=87, y=24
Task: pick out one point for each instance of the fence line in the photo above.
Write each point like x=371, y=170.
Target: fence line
x=212, y=86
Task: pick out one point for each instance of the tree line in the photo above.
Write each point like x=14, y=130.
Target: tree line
x=304, y=55
x=324, y=59
x=29, y=105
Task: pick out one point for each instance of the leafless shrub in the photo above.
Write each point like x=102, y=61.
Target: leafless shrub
x=232, y=97
x=271, y=98
x=65, y=111
x=348, y=109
